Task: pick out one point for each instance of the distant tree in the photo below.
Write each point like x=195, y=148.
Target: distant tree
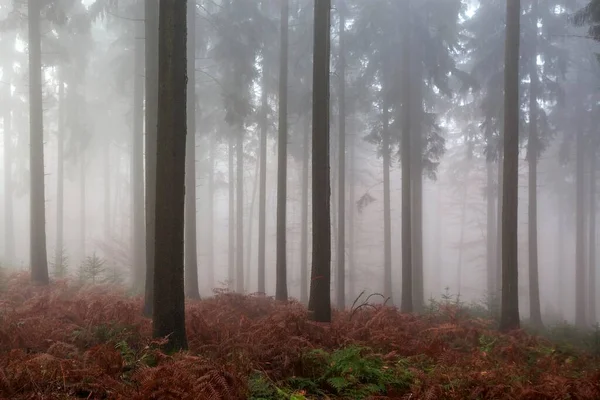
x=169, y=297
x=509, y=318
x=320, y=296
x=590, y=15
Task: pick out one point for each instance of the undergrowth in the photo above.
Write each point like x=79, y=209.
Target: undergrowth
x=70, y=341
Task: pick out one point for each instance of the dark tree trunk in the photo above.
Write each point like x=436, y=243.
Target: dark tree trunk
x=137, y=160
x=387, y=213
x=341, y=228
x=491, y=230
x=281, y=291
x=351, y=229
x=262, y=197
x=191, y=251
x=60, y=182
x=231, y=242
x=151, y=32
x=250, y=229
x=580, y=319
x=9, y=226
x=210, y=259
x=169, y=298
x=304, y=215
x=239, y=276
x=592, y=240
x=407, y=274
x=509, y=318
x=532, y=153
x=499, y=200
x=38, y=255
x=320, y=295
x=417, y=187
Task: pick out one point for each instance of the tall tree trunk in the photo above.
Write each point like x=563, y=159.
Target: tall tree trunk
x=9, y=226
x=231, y=253
x=499, y=200
x=341, y=228
x=592, y=240
x=351, y=228
x=106, y=183
x=151, y=33
x=239, y=276
x=250, y=229
x=262, y=197
x=509, y=318
x=406, y=305
x=60, y=182
x=532, y=152
x=304, y=213
x=82, y=201
x=417, y=191
x=560, y=247
x=210, y=259
x=169, y=299
x=461, y=242
x=320, y=295
x=137, y=159
x=191, y=250
x=491, y=230
x=580, y=319
x=281, y=291
x=387, y=213
x=38, y=255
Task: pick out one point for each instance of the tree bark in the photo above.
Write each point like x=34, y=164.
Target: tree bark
x=341, y=228
x=351, y=227
x=9, y=226
x=169, y=299
x=281, y=290
x=38, y=254
x=592, y=240
x=231, y=253
x=262, y=197
x=191, y=250
x=250, y=229
x=580, y=318
x=239, y=277
x=304, y=213
x=406, y=305
x=491, y=230
x=320, y=295
x=151, y=33
x=509, y=318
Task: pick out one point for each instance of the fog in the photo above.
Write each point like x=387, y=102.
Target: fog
x=89, y=49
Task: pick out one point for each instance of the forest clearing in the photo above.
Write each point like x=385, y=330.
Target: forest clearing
x=69, y=341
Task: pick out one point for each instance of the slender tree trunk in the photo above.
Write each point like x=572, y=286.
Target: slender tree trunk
x=387, y=214
x=407, y=274
x=417, y=192
x=262, y=197
x=351, y=228
x=38, y=255
x=580, y=319
x=281, y=291
x=137, y=159
x=461, y=242
x=560, y=247
x=151, y=33
x=533, y=150
x=60, y=182
x=304, y=213
x=9, y=226
x=320, y=295
x=231, y=253
x=106, y=183
x=82, y=201
x=239, y=277
x=169, y=300
x=592, y=240
x=509, y=318
x=499, y=200
x=250, y=229
x=210, y=263
x=191, y=250
x=491, y=230
x=341, y=228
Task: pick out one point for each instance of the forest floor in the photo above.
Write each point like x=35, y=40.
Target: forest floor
x=67, y=341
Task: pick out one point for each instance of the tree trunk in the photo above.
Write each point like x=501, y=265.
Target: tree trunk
x=592, y=240
x=281, y=290
x=461, y=242
x=509, y=318
x=304, y=213
x=320, y=295
x=231, y=253
x=262, y=197
x=407, y=275
x=239, y=277
x=351, y=228
x=580, y=319
x=491, y=230
x=387, y=214
x=137, y=159
x=106, y=183
x=210, y=259
x=9, y=226
x=169, y=300
x=417, y=190
x=151, y=33
x=341, y=228
x=38, y=255
x=250, y=229
x=82, y=201
x=60, y=183
x=191, y=250
x=533, y=150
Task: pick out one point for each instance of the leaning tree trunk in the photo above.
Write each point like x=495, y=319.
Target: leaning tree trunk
x=509, y=318
x=9, y=228
x=169, y=296
x=406, y=305
x=137, y=160
x=281, y=290
x=151, y=33
x=38, y=255
x=341, y=228
x=320, y=295
x=191, y=250
x=239, y=276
